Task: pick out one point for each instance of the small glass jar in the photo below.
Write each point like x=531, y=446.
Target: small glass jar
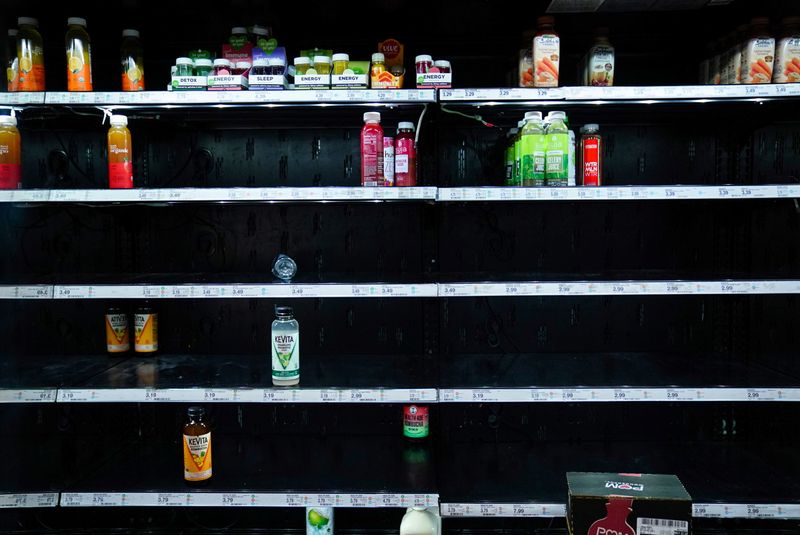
x=184, y=67
x=203, y=67
x=423, y=63
x=442, y=65
x=222, y=67
x=301, y=65
x=241, y=67
x=261, y=67
x=340, y=63
x=322, y=64
x=277, y=66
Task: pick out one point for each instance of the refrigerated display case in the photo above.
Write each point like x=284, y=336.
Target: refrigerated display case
x=647, y=325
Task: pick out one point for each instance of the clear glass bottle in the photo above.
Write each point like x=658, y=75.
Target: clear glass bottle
x=30, y=53
x=196, y=446
x=132, y=61
x=285, y=342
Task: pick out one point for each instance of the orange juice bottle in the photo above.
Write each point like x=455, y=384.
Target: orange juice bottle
x=30, y=55
x=9, y=153
x=196, y=446
x=120, y=154
x=79, y=56
x=132, y=62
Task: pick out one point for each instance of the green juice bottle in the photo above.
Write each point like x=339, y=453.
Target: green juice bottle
x=557, y=155
x=534, y=145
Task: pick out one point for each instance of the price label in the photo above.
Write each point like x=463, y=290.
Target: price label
x=329, y=396
x=358, y=500
x=181, y=292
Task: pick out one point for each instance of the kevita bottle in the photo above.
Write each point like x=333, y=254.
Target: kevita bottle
x=285, y=341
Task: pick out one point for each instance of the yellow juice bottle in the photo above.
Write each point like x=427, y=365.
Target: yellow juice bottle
x=120, y=154
x=30, y=55
x=79, y=56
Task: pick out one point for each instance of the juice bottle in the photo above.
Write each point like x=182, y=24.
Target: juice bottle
x=591, y=155
x=416, y=422
x=405, y=157
x=787, y=52
x=285, y=348
x=759, y=52
x=388, y=161
x=120, y=154
x=546, y=53
x=420, y=521
x=30, y=53
x=132, y=61
x=145, y=325
x=117, y=333
x=738, y=51
x=557, y=154
x=12, y=62
x=511, y=135
x=196, y=446
x=9, y=153
x=372, y=150
x=600, y=65
x=79, y=56
x=532, y=149
x=516, y=178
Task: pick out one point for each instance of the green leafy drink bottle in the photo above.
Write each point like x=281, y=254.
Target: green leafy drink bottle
x=534, y=145
x=516, y=179
x=557, y=155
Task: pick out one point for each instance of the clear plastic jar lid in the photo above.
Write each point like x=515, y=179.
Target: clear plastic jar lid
x=423, y=57
x=130, y=33
x=238, y=30
x=76, y=21
x=261, y=62
x=378, y=57
x=341, y=57
x=27, y=21
x=184, y=61
x=276, y=62
x=222, y=63
x=372, y=116
x=322, y=59
x=203, y=62
x=302, y=60
x=7, y=120
x=441, y=63
x=405, y=125
x=242, y=64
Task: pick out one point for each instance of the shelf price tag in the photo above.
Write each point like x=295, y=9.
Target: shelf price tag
x=20, y=501
x=27, y=396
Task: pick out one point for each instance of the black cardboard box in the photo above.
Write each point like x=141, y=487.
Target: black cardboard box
x=627, y=504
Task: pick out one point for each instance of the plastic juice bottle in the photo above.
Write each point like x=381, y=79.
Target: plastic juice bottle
x=511, y=136
x=546, y=53
x=591, y=155
x=516, y=178
x=759, y=53
x=285, y=348
x=132, y=61
x=738, y=50
x=787, y=52
x=79, y=56
x=557, y=154
x=571, y=172
x=30, y=54
x=12, y=62
x=196, y=446
x=419, y=521
x=533, y=145
x=120, y=154
x=9, y=153
x=405, y=158
x=601, y=60
x=372, y=151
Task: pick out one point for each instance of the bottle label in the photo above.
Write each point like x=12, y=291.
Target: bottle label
x=405, y=162
x=532, y=151
x=601, y=66
x=117, y=335
x=546, y=57
x=120, y=175
x=197, y=457
x=31, y=74
x=132, y=77
x=12, y=75
x=371, y=156
x=286, y=355
x=388, y=161
x=591, y=161
x=9, y=172
x=757, y=65
x=787, y=61
x=79, y=68
x=415, y=421
x=146, y=338
x=556, y=164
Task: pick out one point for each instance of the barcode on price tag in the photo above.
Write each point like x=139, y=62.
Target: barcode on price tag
x=661, y=526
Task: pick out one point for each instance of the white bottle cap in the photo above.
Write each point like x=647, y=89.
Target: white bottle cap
x=184, y=61
x=372, y=117
x=238, y=29
x=119, y=120
x=302, y=60
x=557, y=115
x=441, y=63
x=28, y=21
x=537, y=115
x=341, y=57
x=591, y=128
x=203, y=62
x=322, y=59
x=259, y=30
x=276, y=62
x=423, y=57
x=243, y=65
x=405, y=125
x=12, y=32
x=76, y=21
x=130, y=33
x=260, y=62
x=7, y=120
x=378, y=57
x=221, y=62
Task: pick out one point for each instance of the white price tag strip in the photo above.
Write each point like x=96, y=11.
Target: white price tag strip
x=28, y=500
x=219, y=499
x=39, y=395
x=777, y=511
x=509, y=94
x=574, y=395
x=529, y=510
x=26, y=292
x=22, y=98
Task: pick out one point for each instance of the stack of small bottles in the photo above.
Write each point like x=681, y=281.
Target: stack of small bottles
x=387, y=161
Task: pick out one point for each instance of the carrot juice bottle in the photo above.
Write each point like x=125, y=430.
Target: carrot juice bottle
x=120, y=154
x=546, y=53
x=9, y=153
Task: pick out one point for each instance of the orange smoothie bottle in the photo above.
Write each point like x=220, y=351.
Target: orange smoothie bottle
x=9, y=153
x=79, y=56
x=120, y=154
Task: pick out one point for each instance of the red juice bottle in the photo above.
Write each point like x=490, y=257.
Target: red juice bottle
x=405, y=156
x=372, y=150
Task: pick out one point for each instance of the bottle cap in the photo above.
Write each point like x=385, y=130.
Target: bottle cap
x=221, y=62
x=243, y=65
x=203, y=62
x=260, y=30
x=537, y=115
x=302, y=60
x=261, y=62
x=590, y=128
x=196, y=412
x=322, y=59
x=238, y=30
x=284, y=311
x=76, y=21
x=372, y=116
x=184, y=61
x=423, y=57
x=341, y=57
x=7, y=120
x=441, y=63
x=130, y=33
x=27, y=21
x=378, y=57
x=12, y=32
x=405, y=125
x=557, y=115
x=284, y=268
x=119, y=120
x=276, y=62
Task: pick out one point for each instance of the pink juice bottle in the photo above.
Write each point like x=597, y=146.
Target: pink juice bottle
x=372, y=150
x=405, y=156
